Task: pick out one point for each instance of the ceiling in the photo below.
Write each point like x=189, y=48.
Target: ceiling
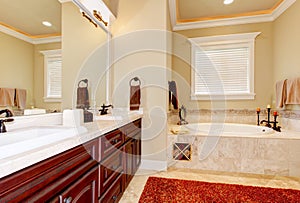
x=25, y=16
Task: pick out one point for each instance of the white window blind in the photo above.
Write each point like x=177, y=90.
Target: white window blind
x=229, y=66
x=52, y=75
x=223, y=67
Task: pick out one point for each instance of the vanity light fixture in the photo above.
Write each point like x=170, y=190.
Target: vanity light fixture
x=227, y=2
x=89, y=19
x=97, y=14
x=46, y=23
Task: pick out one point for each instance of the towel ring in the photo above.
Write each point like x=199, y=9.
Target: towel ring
x=136, y=79
x=85, y=81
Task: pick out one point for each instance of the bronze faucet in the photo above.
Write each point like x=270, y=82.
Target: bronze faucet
x=2, y=121
x=104, y=109
x=268, y=122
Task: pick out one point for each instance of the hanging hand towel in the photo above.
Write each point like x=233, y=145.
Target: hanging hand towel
x=173, y=94
x=135, y=94
x=280, y=93
x=20, y=98
x=293, y=91
x=7, y=96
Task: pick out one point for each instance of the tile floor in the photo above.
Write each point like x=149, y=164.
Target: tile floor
x=135, y=188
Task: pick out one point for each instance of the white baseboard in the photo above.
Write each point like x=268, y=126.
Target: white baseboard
x=154, y=165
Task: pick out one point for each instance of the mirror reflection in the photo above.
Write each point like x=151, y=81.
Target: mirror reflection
x=26, y=37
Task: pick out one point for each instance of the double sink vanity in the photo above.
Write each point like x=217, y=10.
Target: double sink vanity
x=91, y=163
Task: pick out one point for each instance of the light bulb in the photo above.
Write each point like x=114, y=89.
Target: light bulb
x=46, y=23
x=226, y=2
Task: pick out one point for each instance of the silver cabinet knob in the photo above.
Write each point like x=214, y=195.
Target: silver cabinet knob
x=68, y=200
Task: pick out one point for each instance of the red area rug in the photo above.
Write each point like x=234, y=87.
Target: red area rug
x=161, y=190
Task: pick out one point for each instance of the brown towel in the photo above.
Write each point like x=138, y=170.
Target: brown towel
x=20, y=98
x=173, y=94
x=280, y=93
x=135, y=97
x=83, y=98
x=7, y=96
x=293, y=91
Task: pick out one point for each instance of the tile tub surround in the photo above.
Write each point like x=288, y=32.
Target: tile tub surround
x=289, y=120
x=269, y=156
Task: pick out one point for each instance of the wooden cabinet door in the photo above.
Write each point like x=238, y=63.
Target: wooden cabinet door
x=129, y=161
x=84, y=190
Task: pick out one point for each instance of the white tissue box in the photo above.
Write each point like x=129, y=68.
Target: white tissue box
x=34, y=111
x=72, y=118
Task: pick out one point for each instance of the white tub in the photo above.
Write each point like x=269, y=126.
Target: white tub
x=232, y=129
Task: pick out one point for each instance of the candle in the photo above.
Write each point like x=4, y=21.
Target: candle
x=257, y=109
x=268, y=106
x=275, y=113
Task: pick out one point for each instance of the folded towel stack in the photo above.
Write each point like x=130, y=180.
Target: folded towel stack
x=7, y=96
x=287, y=92
x=13, y=97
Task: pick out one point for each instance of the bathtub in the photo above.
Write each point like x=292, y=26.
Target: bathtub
x=232, y=147
x=229, y=129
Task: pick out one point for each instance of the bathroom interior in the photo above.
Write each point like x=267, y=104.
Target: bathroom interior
x=183, y=135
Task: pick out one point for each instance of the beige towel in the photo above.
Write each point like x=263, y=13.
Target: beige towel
x=293, y=91
x=280, y=93
x=7, y=96
x=20, y=99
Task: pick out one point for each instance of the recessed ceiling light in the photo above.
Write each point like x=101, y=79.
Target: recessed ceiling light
x=226, y=2
x=46, y=23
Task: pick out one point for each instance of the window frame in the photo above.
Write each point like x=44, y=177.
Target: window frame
x=50, y=55
x=234, y=40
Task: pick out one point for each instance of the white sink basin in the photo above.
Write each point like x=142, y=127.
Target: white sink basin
x=108, y=117
x=25, y=139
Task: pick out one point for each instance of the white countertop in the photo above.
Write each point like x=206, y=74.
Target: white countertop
x=61, y=141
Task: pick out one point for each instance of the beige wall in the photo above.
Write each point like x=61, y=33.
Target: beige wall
x=287, y=45
x=263, y=65
x=133, y=56
x=79, y=40
x=16, y=66
x=38, y=74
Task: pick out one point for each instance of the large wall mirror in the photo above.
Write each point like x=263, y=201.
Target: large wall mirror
x=23, y=38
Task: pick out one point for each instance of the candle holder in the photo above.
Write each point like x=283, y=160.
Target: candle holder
x=268, y=123
x=258, y=112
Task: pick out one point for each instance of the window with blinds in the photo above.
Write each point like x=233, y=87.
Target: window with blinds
x=52, y=75
x=223, y=69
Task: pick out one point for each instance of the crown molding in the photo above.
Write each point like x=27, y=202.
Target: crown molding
x=226, y=21
x=64, y=1
x=28, y=39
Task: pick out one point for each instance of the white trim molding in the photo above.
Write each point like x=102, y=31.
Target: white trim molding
x=226, y=21
x=25, y=38
x=154, y=165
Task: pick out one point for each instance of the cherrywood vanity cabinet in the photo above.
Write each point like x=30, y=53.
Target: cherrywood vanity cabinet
x=71, y=176
x=119, y=166
x=97, y=171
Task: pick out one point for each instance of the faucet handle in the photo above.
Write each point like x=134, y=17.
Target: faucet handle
x=2, y=126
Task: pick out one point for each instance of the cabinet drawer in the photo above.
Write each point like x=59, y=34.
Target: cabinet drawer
x=132, y=129
x=114, y=193
x=110, y=169
x=110, y=143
